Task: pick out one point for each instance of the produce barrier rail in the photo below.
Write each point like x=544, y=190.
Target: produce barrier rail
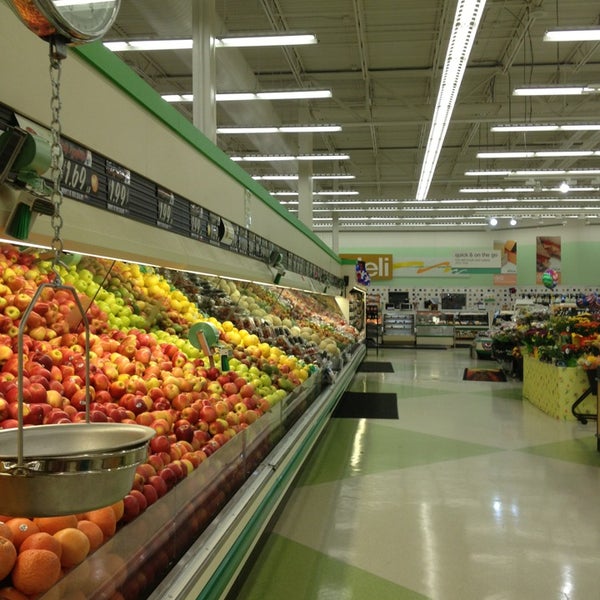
x=194, y=541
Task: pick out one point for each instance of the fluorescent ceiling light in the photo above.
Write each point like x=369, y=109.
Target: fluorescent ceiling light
x=573, y=34
x=285, y=157
x=248, y=41
x=263, y=158
x=323, y=157
x=556, y=90
x=534, y=173
x=334, y=177
x=241, y=130
x=283, y=129
x=540, y=154
x=296, y=177
x=187, y=44
x=235, y=97
x=466, y=20
x=495, y=190
x=526, y=189
x=336, y=193
x=280, y=95
x=531, y=127
x=148, y=45
x=310, y=128
x=294, y=95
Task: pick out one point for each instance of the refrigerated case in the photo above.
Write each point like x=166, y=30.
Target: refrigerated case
x=434, y=328
x=468, y=325
x=398, y=326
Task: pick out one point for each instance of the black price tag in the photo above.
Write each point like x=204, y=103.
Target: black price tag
x=118, y=184
x=165, y=212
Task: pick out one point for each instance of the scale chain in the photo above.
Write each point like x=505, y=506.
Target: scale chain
x=57, y=157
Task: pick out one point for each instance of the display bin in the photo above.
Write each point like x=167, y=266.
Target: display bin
x=554, y=389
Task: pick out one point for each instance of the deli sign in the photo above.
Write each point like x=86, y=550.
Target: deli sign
x=379, y=266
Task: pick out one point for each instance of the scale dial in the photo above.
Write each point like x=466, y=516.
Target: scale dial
x=76, y=21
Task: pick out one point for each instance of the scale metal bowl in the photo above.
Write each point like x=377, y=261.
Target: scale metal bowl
x=71, y=468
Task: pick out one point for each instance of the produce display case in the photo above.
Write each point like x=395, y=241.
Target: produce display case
x=398, y=327
x=185, y=209
x=152, y=549
x=435, y=329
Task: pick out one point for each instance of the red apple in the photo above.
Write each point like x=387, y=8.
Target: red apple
x=159, y=484
x=169, y=476
x=150, y=493
x=160, y=443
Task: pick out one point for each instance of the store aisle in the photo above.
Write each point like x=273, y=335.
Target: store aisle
x=471, y=494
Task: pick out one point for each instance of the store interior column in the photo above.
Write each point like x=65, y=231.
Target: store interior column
x=204, y=69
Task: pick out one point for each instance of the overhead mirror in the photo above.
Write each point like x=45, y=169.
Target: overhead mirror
x=76, y=21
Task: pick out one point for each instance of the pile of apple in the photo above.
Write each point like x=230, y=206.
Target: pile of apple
x=157, y=379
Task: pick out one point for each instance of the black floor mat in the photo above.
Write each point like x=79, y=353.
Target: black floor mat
x=376, y=367
x=360, y=405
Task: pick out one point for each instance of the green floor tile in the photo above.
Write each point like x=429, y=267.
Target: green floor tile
x=582, y=451
x=351, y=447
x=292, y=571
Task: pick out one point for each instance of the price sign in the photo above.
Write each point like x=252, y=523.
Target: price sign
x=118, y=184
x=79, y=179
x=165, y=213
x=197, y=222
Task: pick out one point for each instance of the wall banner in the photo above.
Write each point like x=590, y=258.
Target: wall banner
x=508, y=263
x=548, y=256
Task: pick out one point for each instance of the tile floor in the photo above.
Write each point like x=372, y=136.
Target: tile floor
x=472, y=494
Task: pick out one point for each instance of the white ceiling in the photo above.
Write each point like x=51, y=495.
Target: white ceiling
x=382, y=59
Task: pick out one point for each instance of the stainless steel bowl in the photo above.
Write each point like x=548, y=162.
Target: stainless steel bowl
x=69, y=469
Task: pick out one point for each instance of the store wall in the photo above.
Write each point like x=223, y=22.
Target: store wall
x=109, y=119
x=580, y=245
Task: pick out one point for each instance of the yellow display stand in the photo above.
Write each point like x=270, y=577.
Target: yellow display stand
x=554, y=389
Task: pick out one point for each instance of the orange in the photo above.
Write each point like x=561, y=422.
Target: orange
x=93, y=532
x=42, y=541
x=53, y=524
x=8, y=556
x=118, y=509
x=36, y=571
x=5, y=532
x=105, y=519
x=21, y=529
x=10, y=593
x=75, y=546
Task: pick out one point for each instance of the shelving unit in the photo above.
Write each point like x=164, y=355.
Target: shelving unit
x=398, y=327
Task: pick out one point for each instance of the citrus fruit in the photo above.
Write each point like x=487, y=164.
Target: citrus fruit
x=75, y=546
x=105, y=518
x=5, y=532
x=118, y=508
x=93, y=532
x=10, y=593
x=35, y=571
x=21, y=529
x=53, y=524
x=42, y=541
x=8, y=556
